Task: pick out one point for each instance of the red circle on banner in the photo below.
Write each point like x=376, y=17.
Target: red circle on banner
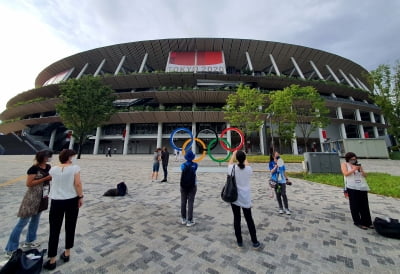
x=241, y=139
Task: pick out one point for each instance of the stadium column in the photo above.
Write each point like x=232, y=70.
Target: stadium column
x=97, y=141
x=372, y=118
x=345, y=78
x=340, y=116
x=194, y=134
x=159, y=135
x=126, y=138
x=262, y=139
x=294, y=144
x=52, y=138
x=71, y=142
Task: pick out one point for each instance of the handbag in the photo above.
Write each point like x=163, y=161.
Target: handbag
x=229, y=192
x=44, y=200
x=44, y=204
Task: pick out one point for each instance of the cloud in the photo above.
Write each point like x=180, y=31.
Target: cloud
x=41, y=32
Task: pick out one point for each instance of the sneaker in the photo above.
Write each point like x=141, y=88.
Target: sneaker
x=287, y=211
x=31, y=245
x=9, y=254
x=183, y=221
x=257, y=245
x=163, y=180
x=239, y=245
x=190, y=223
x=280, y=211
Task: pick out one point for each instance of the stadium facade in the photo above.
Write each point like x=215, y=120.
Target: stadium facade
x=166, y=84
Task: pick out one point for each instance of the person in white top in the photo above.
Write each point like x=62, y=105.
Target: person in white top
x=66, y=198
x=242, y=175
x=357, y=189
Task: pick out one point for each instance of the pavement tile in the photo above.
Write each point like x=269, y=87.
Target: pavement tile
x=141, y=232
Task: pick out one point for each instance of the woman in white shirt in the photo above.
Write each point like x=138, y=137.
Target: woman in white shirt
x=357, y=189
x=242, y=175
x=66, y=198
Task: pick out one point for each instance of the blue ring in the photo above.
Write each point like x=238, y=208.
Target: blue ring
x=171, y=138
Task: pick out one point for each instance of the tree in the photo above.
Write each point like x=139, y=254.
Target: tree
x=386, y=94
x=281, y=112
x=85, y=104
x=298, y=105
x=243, y=109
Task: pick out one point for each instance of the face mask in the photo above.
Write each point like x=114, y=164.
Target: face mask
x=278, y=157
x=353, y=162
x=49, y=159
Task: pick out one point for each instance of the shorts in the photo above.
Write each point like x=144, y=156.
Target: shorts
x=156, y=167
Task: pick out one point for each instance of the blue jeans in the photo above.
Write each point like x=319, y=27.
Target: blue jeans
x=13, y=241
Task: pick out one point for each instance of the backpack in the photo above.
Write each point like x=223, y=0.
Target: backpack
x=188, y=177
x=387, y=227
x=122, y=189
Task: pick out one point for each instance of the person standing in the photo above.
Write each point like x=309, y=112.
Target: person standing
x=278, y=175
x=156, y=164
x=108, y=153
x=164, y=160
x=188, y=194
x=357, y=189
x=66, y=195
x=38, y=183
x=243, y=172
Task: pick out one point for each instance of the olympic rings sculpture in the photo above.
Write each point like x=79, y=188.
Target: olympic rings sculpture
x=213, y=143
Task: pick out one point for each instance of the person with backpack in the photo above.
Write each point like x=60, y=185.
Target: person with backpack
x=188, y=185
x=242, y=172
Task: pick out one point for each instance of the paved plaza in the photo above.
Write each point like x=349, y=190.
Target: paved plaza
x=141, y=232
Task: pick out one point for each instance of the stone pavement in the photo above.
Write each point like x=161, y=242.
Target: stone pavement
x=141, y=232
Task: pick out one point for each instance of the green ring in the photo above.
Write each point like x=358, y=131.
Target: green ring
x=209, y=150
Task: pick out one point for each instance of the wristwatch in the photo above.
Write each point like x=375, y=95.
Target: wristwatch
x=80, y=197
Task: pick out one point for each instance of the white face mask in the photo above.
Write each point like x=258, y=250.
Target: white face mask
x=49, y=159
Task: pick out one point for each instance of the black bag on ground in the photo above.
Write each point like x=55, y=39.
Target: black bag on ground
x=24, y=262
x=387, y=227
x=121, y=190
x=229, y=192
x=188, y=177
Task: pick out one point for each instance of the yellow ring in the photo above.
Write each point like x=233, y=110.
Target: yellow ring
x=201, y=143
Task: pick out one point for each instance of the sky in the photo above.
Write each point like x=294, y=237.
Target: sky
x=37, y=33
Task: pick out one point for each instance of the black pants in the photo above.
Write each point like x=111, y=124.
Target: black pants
x=249, y=221
x=58, y=209
x=280, y=190
x=187, y=197
x=165, y=169
x=359, y=207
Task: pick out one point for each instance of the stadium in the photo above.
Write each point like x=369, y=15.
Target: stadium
x=162, y=85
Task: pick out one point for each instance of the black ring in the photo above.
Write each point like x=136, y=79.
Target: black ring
x=214, y=145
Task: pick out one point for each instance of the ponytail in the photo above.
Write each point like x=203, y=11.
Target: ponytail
x=241, y=157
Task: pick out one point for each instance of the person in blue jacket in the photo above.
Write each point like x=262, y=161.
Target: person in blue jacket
x=278, y=175
x=188, y=195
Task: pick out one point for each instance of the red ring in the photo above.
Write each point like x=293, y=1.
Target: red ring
x=241, y=139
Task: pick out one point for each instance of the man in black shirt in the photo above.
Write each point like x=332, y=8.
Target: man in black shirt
x=164, y=160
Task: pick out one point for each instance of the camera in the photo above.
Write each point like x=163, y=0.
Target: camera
x=357, y=164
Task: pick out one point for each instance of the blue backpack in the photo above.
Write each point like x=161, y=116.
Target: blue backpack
x=188, y=177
